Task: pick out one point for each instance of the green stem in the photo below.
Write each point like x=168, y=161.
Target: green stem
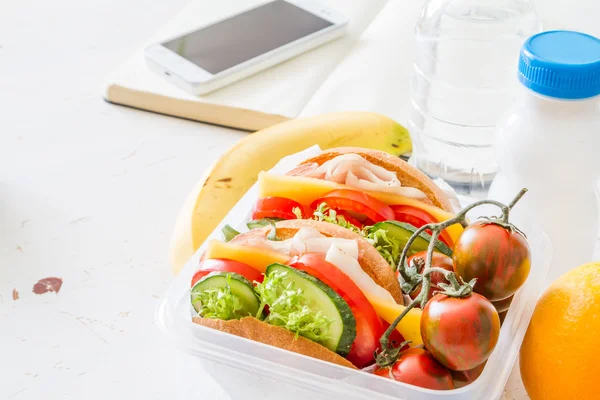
x=426, y=284
x=407, y=247
x=385, y=338
x=517, y=198
x=403, y=274
x=451, y=277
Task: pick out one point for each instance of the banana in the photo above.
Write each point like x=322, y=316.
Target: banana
x=236, y=171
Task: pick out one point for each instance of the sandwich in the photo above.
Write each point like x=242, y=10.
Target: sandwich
x=373, y=193
x=310, y=287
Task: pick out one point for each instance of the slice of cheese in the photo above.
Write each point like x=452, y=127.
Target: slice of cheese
x=259, y=258
x=409, y=327
x=306, y=190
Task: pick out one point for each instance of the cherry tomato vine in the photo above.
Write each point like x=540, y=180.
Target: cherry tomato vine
x=410, y=276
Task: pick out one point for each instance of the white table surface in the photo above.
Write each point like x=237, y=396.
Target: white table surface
x=89, y=193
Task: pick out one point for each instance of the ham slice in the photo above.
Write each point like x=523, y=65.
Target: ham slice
x=343, y=253
x=356, y=172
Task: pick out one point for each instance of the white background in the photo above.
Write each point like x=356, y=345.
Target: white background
x=89, y=192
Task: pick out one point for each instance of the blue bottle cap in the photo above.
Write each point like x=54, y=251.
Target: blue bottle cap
x=561, y=64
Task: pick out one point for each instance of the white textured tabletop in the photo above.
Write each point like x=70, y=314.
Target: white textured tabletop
x=89, y=193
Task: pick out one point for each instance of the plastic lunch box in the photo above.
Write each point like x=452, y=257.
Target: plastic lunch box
x=216, y=365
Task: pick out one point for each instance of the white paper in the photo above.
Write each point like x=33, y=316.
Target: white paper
x=282, y=90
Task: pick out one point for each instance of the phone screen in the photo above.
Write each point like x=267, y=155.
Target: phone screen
x=245, y=36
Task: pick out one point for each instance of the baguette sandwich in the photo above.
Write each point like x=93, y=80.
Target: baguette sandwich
x=306, y=286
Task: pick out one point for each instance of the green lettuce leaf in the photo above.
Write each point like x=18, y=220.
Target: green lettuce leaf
x=259, y=223
x=219, y=303
x=324, y=213
x=229, y=233
x=389, y=247
x=289, y=309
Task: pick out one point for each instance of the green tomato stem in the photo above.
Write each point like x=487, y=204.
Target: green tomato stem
x=389, y=354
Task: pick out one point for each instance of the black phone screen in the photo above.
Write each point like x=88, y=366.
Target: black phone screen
x=245, y=36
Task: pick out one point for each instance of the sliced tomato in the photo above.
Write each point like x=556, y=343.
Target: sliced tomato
x=417, y=218
x=368, y=325
x=199, y=275
x=279, y=207
x=224, y=265
x=351, y=200
x=349, y=218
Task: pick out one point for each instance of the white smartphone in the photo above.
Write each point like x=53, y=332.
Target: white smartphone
x=244, y=44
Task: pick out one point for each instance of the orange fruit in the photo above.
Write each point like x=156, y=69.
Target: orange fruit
x=560, y=356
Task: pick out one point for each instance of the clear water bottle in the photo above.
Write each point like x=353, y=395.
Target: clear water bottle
x=464, y=79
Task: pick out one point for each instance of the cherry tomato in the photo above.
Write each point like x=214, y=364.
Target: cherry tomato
x=502, y=316
x=278, y=207
x=464, y=378
x=417, y=218
x=498, y=257
x=438, y=260
x=418, y=367
x=351, y=200
x=461, y=333
x=224, y=265
x=368, y=325
x=503, y=305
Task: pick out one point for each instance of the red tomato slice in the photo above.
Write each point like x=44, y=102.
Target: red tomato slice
x=224, y=265
x=368, y=325
x=417, y=218
x=279, y=207
x=199, y=275
x=349, y=218
x=351, y=200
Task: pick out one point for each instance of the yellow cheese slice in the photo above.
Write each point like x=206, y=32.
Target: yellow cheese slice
x=255, y=257
x=409, y=327
x=306, y=190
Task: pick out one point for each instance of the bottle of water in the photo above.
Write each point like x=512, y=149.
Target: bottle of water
x=464, y=79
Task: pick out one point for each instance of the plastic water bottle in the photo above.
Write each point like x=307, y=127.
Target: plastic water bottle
x=549, y=142
x=464, y=79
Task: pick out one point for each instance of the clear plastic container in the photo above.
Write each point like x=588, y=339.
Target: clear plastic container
x=215, y=365
x=462, y=83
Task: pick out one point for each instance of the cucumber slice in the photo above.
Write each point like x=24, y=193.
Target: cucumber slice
x=321, y=297
x=402, y=232
x=212, y=294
